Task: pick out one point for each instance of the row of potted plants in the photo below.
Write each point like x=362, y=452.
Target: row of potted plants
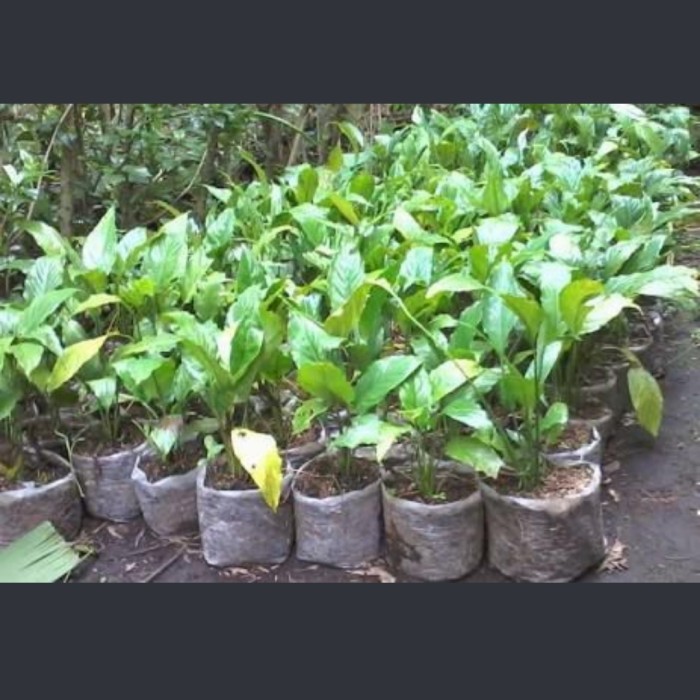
x=438, y=318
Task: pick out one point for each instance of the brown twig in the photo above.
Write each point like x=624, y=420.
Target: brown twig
x=164, y=566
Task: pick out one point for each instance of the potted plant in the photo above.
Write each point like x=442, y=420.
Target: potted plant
x=245, y=515
x=36, y=484
x=433, y=512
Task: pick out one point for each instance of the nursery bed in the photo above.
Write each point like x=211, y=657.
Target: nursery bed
x=651, y=507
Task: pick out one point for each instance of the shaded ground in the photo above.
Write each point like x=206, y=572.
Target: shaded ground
x=651, y=506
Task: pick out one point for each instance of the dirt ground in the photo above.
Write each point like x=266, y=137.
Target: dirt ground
x=651, y=507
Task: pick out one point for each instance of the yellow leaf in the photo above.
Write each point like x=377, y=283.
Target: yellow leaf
x=259, y=456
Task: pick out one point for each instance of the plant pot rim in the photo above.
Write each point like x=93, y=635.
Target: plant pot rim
x=22, y=492
x=249, y=494
x=140, y=449
x=546, y=503
x=416, y=507
x=344, y=497
x=588, y=447
x=140, y=476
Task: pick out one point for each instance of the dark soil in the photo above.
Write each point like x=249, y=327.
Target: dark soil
x=181, y=461
x=35, y=469
x=220, y=477
x=450, y=488
x=560, y=482
x=574, y=437
x=94, y=443
x=596, y=376
x=325, y=477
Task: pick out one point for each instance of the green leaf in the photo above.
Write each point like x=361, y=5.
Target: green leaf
x=381, y=378
x=134, y=371
x=450, y=376
x=370, y=430
x=40, y=556
x=465, y=409
x=305, y=415
x=105, y=391
x=416, y=397
x=345, y=208
x=335, y=159
x=259, y=456
x=326, y=381
x=555, y=419
x=497, y=231
x=407, y=226
x=45, y=275
x=41, y=308
x=476, y=454
x=602, y=310
x=47, y=238
x=528, y=311
x=417, y=267
x=95, y=301
x=308, y=341
x=494, y=199
x=28, y=356
x=572, y=302
x=307, y=186
x=647, y=399
x=346, y=319
x=346, y=275
x=100, y=247
x=458, y=283
x=72, y=359
x=499, y=321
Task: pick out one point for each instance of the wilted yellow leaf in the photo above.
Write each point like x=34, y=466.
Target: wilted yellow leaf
x=259, y=456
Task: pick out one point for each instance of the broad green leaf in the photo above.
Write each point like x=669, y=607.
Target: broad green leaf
x=95, y=301
x=474, y=453
x=47, y=238
x=602, y=310
x=45, y=275
x=134, y=371
x=495, y=198
x=407, y=226
x=28, y=356
x=259, y=456
x=451, y=375
x=465, y=409
x=458, y=283
x=335, y=159
x=41, y=308
x=555, y=419
x=72, y=359
x=572, y=301
x=417, y=267
x=309, y=342
x=105, y=391
x=307, y=413
x=346, y=319
x=345, y=276
x=326, y=381
x=497, y=231
x=100, y=247
x=245, y=349
x=164, y=436
x=528, y=311
x=416, y=398
x=307, y=185
x=381, y=378
x=499, y=321
x=345, y=208
x=647, y=399
x=370, y=430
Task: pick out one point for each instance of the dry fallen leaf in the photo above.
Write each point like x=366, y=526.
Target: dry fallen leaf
x=376, y=571
x=615, y=559
x=614, y=495
x=130, y=567
x=611, y=467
